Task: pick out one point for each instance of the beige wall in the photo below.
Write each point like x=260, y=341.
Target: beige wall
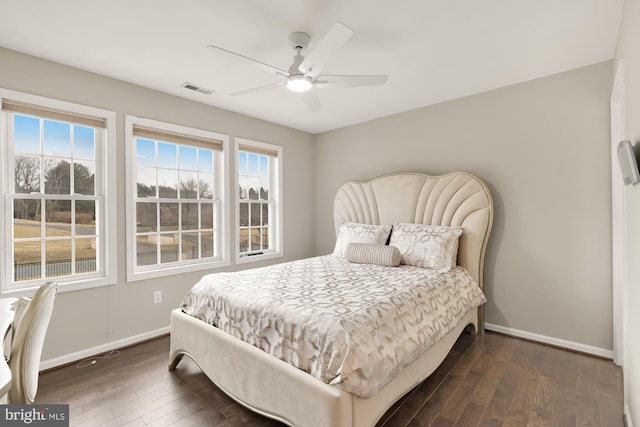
x=90, y=318
x=543, y=148
x=627, y=50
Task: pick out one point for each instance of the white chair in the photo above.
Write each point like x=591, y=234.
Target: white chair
x=30, y=326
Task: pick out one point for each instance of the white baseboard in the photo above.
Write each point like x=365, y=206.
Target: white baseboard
x=83, y=354
x=627, y=413
x=584, y=348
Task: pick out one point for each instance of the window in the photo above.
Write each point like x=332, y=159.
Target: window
x=176, y=199
x=58, y=202
x=258, y=211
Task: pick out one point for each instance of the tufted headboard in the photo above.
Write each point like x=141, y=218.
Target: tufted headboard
x=456, y=198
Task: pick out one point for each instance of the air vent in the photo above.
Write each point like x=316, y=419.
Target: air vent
x=196, y=88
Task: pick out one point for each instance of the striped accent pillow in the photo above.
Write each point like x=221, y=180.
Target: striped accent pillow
x=369, y=253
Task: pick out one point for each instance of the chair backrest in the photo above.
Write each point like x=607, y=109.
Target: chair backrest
x=26, y=347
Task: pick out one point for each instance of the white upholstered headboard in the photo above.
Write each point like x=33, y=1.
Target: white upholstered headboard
x=457, y=198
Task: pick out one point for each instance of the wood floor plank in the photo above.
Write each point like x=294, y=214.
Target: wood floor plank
x=608, y=394
x=487, y=380
x=442, y=422
x=498, y=407
x=484, y=393
x=463, y=393
x=430, y=411
x=165, y=420
x=565, y=411
x=207, y=417
x=564, y=414
x=586, y=393
x=102, y=419
x=541, y=414
x=408, y=406
x=105, y=406
x=522, y=367
x=546, y=389
x=471, y=415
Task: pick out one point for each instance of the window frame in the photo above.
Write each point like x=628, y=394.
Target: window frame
x=276, y=206
x=136, y=273
x=105, y=189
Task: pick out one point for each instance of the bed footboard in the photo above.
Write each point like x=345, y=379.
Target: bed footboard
x=274, y=388
x=257, y=380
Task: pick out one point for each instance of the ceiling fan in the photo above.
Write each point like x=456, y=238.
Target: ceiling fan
x=303, y=76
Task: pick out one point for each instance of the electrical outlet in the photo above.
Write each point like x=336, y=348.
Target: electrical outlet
x=157, y=297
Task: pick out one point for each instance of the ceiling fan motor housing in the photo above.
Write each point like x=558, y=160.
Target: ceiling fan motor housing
x=299, y=40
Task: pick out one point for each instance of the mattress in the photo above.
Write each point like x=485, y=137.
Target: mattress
x=351, y=325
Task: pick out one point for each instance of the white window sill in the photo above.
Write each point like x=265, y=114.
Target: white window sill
x=170, y=270
x=27, y=290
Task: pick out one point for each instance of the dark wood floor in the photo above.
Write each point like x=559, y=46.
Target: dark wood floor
x=489, y=380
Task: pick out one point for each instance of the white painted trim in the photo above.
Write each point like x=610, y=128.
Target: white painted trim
x=277, y=208
x=105, y=186
x=570, y=345
x=221, y=160
x=619, y=221
x=89, y=352
x=620, y=252
x=627, y=413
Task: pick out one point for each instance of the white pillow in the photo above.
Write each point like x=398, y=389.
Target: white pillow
x=369, y=253
x=428, y=246
x=353, y=232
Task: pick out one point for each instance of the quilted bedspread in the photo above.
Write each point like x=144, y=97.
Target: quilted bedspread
x=354, y=326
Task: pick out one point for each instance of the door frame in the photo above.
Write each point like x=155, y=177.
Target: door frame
x=619, y=221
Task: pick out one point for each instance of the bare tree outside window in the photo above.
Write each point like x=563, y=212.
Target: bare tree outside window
x=27, y=174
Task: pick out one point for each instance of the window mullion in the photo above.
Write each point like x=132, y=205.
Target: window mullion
x=179, y=232
x=41, y=157
x=74, y=258
x=43, y=239
x=158, y=236
x=72, y=171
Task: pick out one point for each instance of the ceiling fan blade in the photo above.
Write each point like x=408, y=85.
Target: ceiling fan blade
x=330, y=44
x=350, y=81
x=264, y=88
x=310, y=99
x=263, y=64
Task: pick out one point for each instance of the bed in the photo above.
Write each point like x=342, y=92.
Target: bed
x=291, y=394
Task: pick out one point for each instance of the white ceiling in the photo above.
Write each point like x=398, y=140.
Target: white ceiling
x=432, y=50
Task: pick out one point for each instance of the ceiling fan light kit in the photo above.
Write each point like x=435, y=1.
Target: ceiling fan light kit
x=299, y=83
x=304, y=73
